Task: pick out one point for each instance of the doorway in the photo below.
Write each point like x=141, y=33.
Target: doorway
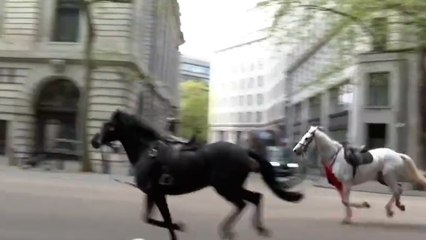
x=376, y=135
x=56, y=113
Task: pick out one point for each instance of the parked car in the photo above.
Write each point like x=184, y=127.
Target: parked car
x=288, y=168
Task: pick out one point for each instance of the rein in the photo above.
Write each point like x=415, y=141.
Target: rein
x=334, y=157
x=110, y=175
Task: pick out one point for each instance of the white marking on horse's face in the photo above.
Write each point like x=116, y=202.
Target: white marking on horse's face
x=305, y=140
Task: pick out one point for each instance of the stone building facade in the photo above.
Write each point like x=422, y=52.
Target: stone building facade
x=42, y=71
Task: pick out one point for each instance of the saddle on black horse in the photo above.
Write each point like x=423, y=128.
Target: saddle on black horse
x=357, y=156
x=166, y=160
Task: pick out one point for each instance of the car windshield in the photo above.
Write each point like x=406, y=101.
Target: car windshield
x=280, y=154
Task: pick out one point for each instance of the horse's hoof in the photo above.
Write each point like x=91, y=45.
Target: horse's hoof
x=346, y=221
x=264, y=232
x=390, y=213
x=366, y=205
x=180, y=226
x=402, y=207
x=227, y=235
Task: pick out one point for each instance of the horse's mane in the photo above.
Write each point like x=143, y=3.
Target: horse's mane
x=139, y=125
x=329, y=138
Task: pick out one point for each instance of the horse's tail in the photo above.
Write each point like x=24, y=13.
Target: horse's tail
x=414, y=172
x=268, y=175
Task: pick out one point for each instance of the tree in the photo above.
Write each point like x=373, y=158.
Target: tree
x=356, y=20
x=194, y=109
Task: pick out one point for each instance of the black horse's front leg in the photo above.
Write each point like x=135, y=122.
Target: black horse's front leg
x=161, y=202
x=147, y=217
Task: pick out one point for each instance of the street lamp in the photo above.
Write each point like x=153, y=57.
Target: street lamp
x=84, y=107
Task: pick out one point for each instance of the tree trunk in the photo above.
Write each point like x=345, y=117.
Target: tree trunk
x=88, y=46
x=422, y=111
x=422, y=105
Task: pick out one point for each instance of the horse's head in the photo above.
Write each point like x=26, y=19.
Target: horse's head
x=302, y=146
x=110, y=131
x=123, y=126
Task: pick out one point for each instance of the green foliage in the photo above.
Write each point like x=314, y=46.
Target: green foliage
x=352, y=27
x=406, y=13
x=194, y=109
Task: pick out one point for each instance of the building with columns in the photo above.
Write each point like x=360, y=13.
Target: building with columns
x=42, y=71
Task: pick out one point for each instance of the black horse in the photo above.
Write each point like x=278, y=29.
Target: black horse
x=162, y=170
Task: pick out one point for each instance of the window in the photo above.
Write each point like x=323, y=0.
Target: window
x=298, y=112
x=241, y=100
x=315, y=107
x=249, y=100
x=259, y=99
x=339, y=135
x=341, y=97
x=260, y=81
x=240, y=117
x=251, y=83
x=242, y=83
x=67, y=22
x=376, y=135
x=346, y=95
x=259, y=117
x=249, y=116
x=195, y=68
x=378, y=89
x=234, y=117
x=260, y=63
x=3, y=130
x=380, y=30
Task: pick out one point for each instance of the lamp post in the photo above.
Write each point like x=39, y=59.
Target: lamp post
x=88, y=62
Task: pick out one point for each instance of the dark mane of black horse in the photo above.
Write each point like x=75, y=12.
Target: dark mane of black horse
x=222, y=165
x=143, y=129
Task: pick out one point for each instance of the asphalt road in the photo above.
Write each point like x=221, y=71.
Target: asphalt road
x=56, y=206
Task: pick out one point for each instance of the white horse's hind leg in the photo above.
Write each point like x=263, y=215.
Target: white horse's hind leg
x=390, y=180
x=398, y=203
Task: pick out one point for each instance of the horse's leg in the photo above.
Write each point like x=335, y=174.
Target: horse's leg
x=363, y=204
x=256, y=199
x=148, y=218
x=345, y=201
x=398, y=203
x=390, y=180
x=161, y=202
x=235, y=197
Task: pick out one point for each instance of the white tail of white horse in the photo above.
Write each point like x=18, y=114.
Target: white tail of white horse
x=415, y=173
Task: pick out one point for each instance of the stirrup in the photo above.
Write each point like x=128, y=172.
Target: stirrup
x=166, y=179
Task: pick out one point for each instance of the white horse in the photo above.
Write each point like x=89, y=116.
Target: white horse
x=384, y=164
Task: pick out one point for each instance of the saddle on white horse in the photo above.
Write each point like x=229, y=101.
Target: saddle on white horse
x=356, y=157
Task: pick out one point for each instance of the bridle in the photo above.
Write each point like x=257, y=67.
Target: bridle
x=310, y=139
x=306, y=144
